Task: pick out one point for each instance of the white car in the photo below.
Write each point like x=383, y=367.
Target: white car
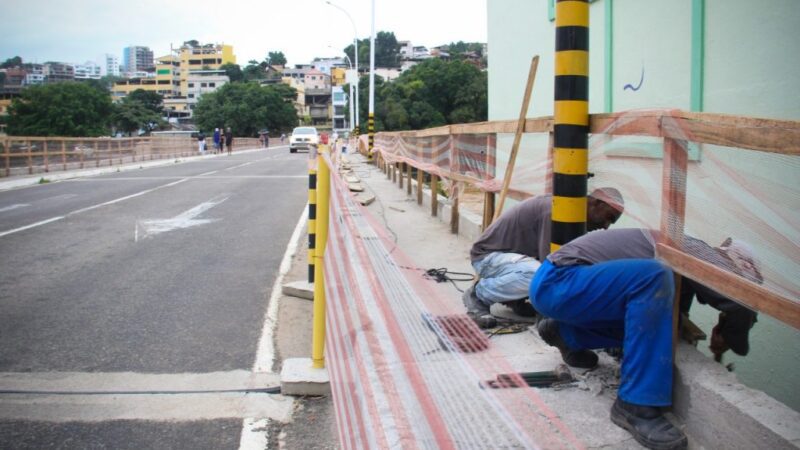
x=303, y=137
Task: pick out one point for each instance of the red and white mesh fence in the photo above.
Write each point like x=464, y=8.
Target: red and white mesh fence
x=408, y=369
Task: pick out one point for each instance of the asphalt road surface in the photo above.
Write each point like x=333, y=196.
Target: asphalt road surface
x=155, y=272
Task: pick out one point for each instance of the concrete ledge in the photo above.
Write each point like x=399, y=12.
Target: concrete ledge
x=720, y=412
x=299, y=289
x=299, y=378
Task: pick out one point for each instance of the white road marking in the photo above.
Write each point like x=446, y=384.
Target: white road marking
x=255, y=434
x=205, y=177
x=33, y=225
x=254, y=429
x=12, y=207
x=265, y=355
x=186, y=219
x=82, y=210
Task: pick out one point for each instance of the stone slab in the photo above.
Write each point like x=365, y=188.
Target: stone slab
x=298, y=377
x=299, y=289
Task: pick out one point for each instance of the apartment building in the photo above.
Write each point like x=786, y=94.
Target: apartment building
x=109, y=65
x=55, y=72
x=88, y=71
x=201, y=82
x=137, y=58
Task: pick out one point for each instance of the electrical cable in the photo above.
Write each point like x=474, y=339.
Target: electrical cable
x=267, y=390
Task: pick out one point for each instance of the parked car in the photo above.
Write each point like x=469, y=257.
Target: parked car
x=303, y=137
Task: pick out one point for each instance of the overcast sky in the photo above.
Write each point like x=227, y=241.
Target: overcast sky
x=77, y=31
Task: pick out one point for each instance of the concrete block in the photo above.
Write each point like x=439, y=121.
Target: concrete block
x=355, y=187
x=299, y=378
x=352, y=179
x=365, y=199
x=299, y=289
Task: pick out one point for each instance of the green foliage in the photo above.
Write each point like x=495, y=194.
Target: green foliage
x=387, y=51
x=247, y=108
x=276, y=58
x=11, y=62
x=192, y=43
x=133, y=114
x=61, y=109
x=233, y=71
x=430, y=94
x=253, y=71
x=149, y=99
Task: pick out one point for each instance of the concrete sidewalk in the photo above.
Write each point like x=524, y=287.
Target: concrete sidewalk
x=714, y=409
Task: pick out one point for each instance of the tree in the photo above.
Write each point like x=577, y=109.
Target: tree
x=149, y=99
x=430, y=94
x=247, y=108
x=387, y=51
x=61, y=109
x=11, y=62
x=276, y=59
x=253, y=71
x=132, y=115
x=233, y=71
x=192, y=43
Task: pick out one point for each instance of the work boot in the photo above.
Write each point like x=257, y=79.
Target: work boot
x=522, y=308
x=584, y=359
x=477, y=310
x=648, y=426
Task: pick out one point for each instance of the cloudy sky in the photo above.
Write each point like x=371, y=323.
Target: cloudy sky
x=80, y=30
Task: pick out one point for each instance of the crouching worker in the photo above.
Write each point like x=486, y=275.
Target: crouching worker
x=509, y=252
x=605, y=289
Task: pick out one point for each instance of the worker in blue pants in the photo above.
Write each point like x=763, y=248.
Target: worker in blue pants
x=596, y=297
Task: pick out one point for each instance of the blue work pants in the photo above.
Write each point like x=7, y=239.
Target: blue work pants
x=623, y=303
x=504, y=277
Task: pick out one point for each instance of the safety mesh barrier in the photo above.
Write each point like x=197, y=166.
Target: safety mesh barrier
x=705, y=176
x=407, y=367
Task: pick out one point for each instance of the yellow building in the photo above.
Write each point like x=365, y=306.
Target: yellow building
x=202, y=57
x=338, y=76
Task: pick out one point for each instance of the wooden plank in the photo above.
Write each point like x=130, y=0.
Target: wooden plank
x=488, y=210
x=526, y=98
x=401, y=166
x=773, y=136
x=454, y=211
x=744, y=291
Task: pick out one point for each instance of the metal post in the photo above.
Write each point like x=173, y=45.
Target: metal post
x=571, y=122
x=371, y=118
x=323, y=200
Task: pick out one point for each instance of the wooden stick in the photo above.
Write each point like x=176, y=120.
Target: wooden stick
x=517, y=137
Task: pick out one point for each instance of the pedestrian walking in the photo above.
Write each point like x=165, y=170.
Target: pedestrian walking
x=216, y=140
x=229, y=140
x=201, y=143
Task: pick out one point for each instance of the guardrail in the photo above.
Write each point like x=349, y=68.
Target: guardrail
x=28, y=154
x=720, y=175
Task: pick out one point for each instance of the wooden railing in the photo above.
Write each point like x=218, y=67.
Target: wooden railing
x=28, y=155
x=676, y=128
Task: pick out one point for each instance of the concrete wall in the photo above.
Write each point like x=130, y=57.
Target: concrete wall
x=750, y=67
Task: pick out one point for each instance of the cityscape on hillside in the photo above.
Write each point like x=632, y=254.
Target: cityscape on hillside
x=193, y=69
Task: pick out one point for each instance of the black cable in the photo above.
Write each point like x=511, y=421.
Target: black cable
x=267, y=390
x=441, y=275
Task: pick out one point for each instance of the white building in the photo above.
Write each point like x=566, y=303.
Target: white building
x=109, y=65
x=87, y=71
x=200, y=82
x=339, y=101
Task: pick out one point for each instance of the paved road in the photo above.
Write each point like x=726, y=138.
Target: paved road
x=163, y=271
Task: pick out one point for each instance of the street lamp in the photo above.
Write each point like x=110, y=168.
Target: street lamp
x=355, y=48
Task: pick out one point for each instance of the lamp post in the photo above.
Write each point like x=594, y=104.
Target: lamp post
x=355, y=50
x=371, y=118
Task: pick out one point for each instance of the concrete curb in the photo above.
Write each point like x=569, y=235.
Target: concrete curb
x=298, y=377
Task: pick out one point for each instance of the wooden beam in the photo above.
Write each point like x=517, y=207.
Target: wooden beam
x=420, y=183
x=744, y=291
x=454, y=211
x=434, y=195
x=408, y=179
x=488, y=210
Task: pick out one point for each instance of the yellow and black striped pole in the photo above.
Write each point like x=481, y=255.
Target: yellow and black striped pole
x=371, y=131
x=312, y=221
x=571, y=122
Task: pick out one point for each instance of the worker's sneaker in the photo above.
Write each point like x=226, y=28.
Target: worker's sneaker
x=522, y=308
x=584, y=359
x=477, y=310
x=648, y=426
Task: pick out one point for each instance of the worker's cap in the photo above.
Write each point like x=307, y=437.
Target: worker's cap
x=744, y=258
x=610, y=196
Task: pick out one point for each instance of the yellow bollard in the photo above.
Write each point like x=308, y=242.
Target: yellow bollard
x=323, y=202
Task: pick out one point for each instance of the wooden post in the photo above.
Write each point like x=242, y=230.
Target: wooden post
x=488, y=209
x=46, y=162
x=454, y=209
x=394, y=173
x=400, y=175
x=64, y=154
x=408, y=178
x=434, y=195
x=420, y=183
x=673, y=213
x=30, y=157
x=8, y=156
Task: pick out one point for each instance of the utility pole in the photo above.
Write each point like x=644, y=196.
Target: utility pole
x=371, y=118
